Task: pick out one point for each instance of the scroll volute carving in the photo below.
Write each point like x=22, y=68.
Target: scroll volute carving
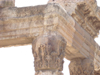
x=48, y=51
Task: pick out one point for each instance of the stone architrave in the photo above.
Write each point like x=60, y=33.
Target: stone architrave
x=81, y=67
x=48, y=51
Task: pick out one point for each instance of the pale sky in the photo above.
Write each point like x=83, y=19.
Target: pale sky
x=19, y=60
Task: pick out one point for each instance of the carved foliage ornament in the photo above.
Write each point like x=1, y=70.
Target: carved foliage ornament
x=81, y=67
x=48, y=51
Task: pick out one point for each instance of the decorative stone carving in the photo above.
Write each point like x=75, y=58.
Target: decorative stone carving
x=81, y=67
x=48, y=51
x=85, y=12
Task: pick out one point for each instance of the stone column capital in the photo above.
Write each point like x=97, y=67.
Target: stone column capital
x=48, y=51
x=81, y=66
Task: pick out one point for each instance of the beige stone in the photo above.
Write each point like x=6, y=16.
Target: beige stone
x=85, y=12
x=81, y=66
x=48, y=73
x=7, y=3
x=76, y=21
x=48, y=51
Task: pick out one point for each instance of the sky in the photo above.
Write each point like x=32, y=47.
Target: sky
x=19, y=60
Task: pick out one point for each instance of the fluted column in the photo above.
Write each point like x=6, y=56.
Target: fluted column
x=81, y=67
x=48, y=51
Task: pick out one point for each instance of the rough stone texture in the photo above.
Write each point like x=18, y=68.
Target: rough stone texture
x=97, y=72
x=19, y=26
x=48, y=51
x=49, y=73
x=97, y=60
x=7, y=3
x=81, y=67
x=85, y=12
x=78, y=21
x=25, y=23
x=22, y=30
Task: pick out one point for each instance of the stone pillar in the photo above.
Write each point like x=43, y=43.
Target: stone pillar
x=81, y=67
x=48, y=51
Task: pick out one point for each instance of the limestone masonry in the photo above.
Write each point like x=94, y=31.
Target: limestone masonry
x=57, y=30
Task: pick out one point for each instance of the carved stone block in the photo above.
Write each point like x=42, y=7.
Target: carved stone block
x=81, y=67
x=48, y=51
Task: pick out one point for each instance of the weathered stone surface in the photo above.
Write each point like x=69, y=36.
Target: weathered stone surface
x=48, y=51
x=7, y=3
x=81, y=67
x=75, y=20
x=84, y=12
x=97, y=72
x=49, y=73
x=27, y=26
x=17, y=24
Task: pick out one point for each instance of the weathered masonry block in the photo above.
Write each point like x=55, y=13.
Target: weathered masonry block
x=59, y=29
x=81, y=67
x=48, y=51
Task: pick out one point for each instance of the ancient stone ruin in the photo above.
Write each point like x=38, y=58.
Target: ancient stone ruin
x=57, y=30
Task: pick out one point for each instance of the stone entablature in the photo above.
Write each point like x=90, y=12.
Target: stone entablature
x=21, y=28
x=77, y=22
x=85, y=12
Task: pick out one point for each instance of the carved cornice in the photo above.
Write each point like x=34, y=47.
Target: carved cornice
x=86, y=16
x=85, y=12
